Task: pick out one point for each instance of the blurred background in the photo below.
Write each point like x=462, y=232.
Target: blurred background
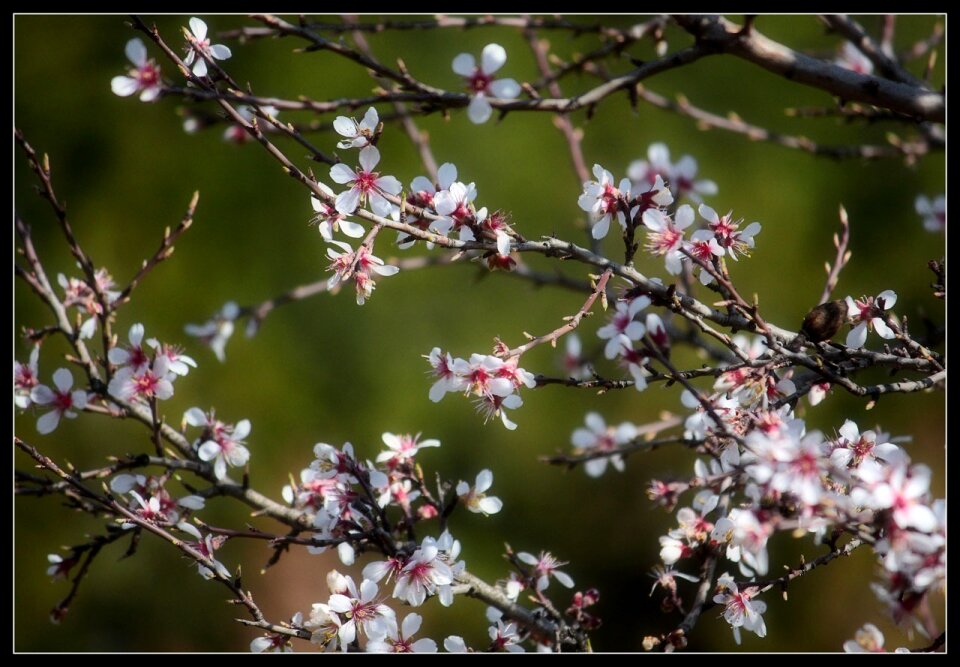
x=326, y=370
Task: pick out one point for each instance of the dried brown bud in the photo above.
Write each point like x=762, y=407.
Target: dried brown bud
x=823, y=322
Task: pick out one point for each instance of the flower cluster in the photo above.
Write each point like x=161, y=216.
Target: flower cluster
x=623, y=330
x=680, y=176
x=359, y=266
x=80, y=294
x=789, y=479
x=143, y=374
x=494, y=381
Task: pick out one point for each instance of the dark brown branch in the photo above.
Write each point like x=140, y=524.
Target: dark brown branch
x=718, y=35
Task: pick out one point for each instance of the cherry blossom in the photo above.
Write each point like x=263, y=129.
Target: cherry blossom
x=622, y=322
x=447, y=379
x=853, y=447
x=80, y=294
x=703, y=245
x=904, y=491
x=455, y=206
x=272, y=643
x=475, y=498
x=503, y=637
x=25, y=378
x=544, y=567
x=201, y=43
x=150, y=382
x=328, y=219
x=497, y=406
x=63, y=401
x=133, y=356
x=728, y=233
x=740, y=609
x=665, y=236
x=867, y=639
x=869, y=313
x=363, y=612
x=324, y=625
x=358, y=134
x=365, y=185
x=481, y=83
x=216, y=331
x=143, y=78
x=423, y=195
x=359, y=266
x=679, y=176
x=818, y=392
x=603, y=201
x=206, y=545
x=598, y=438
x=424, y=573
x=572, y=363
x=455, y=644
x=933, y=211
x=400, y=640
x=224, y=443
x=402, y=449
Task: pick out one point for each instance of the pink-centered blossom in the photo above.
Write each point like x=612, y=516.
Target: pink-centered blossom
x=424, y=573
x=359, y=265
x=401, y=449
x=328, y=219
x=63, y=402
x=665, y=235
x=598, y=438
x=224, y=444
x=201, y=43
x=400, y=640
x=455, y=207
x=544, y=567
x=363, y=613
x=422, y=194
x=740, y=609
x=25, y=378
x=358, y=134
x=143, y=78
x=622, y=322
x=604, y=201
x=728, y=233
x=867, y=313
x=481, y=82
x=150, y=382
x=366, y=185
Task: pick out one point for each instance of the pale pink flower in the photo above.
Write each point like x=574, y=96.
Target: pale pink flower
x=665, y=236
x=206, y=545
x=63, y=401
x=402, y=448
x=134, y=356
x=481, y=83
x=224, y=444
x=503, y=637
x=150, y=382
x=365, y=184
x=869, y=313
x=604, y=201
x=728, y=233
x=201, y=43
x=363, y=612
x=143, y=78
x=496, y=406
x=359, y=265
x=443, y=369
x=25, y=378
x=598, y=437
x=400, y=640
x=544, y=567
x=423, y=194
x=867, y=639
x=622, y=322
x=358, y=134
x=740, y=609
x=328, y=219
x=703, y=245
x=455, y=206
x=216, y=331
x=324, y=625
x=475, y=498
x=425, y=571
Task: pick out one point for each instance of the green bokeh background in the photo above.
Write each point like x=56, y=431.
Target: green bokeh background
x=327, y=370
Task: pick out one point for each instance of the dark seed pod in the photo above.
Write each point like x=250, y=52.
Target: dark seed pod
x=823, y=322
